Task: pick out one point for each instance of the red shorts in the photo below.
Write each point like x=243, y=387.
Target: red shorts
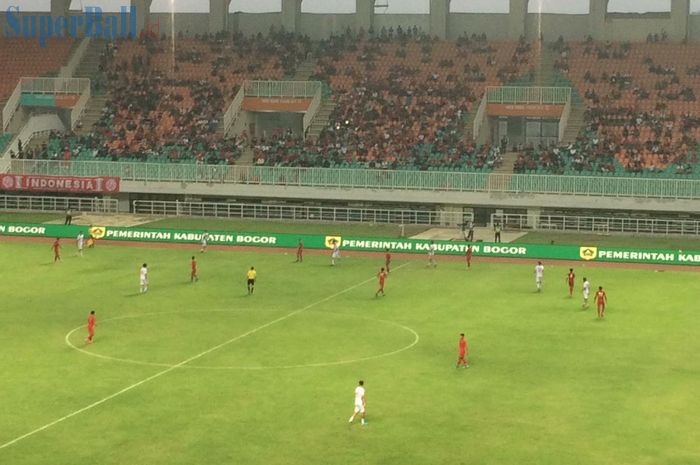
x=462, y=354
x=91, y=331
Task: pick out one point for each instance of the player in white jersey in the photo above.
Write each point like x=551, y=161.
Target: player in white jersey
x=586, y=292
x=539, y=275
x=335, y=255
x=144, y=278
x=80, y=242
x=431, y=254
x=205, y=239
x=359, y=403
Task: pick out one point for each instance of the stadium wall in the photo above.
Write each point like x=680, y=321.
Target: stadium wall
x=252, y=23
x=405, y=21
x=570, y=27
x=495, y=26
x=320, y=26
x=694, y=27
x=133, y=190
x=185, y=23
x=610, y=26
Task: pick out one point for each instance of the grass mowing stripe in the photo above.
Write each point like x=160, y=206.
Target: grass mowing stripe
x=185, y=362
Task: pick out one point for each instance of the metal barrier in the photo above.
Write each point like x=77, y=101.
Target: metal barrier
x=301, y=213
x=40, y=85
x=57, y=204
x=538, y=95
x=311, y=112
x=443, y=181
x=233, y=111
x=298, y=89
x=598, y=224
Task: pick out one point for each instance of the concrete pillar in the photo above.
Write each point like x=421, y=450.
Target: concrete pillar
x=533, y=217
x=59, y=8
x=218, y=15
x=364, y=15
x=143, y=12
x=680, y=10
x=439, y=10
x=596, y=19
x=291, y=15
x=450, y=215
x=516, y=18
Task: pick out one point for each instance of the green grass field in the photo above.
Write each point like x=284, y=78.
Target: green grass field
x=204, y=374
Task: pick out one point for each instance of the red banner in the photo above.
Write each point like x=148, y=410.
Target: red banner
x=97, y=185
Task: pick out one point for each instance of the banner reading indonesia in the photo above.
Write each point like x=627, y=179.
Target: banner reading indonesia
x=87, y=185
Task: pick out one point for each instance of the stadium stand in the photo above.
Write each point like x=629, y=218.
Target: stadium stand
x=24, y=58
x=165, y=110
x=401, y=102
x=641, y=110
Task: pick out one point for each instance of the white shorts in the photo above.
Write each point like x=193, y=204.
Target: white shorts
x=204, y=243
x=144, y=282
x=335, y=255
x=538, y=279
x=431, y=254
x=585, y=294
x=359, y=408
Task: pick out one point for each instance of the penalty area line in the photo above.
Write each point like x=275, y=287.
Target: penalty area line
x=184, y=362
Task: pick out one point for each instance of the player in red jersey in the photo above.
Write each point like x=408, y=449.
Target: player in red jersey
x=601, y=299
x=300, y=252
x=193, y=273
x=92, y=321
x=463, y=359
x=469, y=256
x=382, y=277
x=570, y=277
x=56, y=250
x=387, y=261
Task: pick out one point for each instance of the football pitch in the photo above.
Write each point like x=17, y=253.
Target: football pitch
x=204, y=374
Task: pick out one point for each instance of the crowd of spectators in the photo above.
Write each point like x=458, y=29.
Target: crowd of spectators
x=170, y=103
x=402, y=98
x=640, y=108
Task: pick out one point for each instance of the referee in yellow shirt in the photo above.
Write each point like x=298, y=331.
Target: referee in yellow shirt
x=251, y=275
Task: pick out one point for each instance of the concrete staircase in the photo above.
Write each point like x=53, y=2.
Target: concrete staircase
x=92, y=113
x=321, y=119
x=305, y=70
x=89, y=67
x=469, y=125
x=508, y=163
x=500, y=177
x=575, y=124
x=247, y=157
x=544, y=73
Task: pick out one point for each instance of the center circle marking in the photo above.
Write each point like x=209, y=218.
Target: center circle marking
x=416, y=338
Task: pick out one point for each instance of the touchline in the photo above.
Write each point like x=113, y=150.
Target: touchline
x=89, y=23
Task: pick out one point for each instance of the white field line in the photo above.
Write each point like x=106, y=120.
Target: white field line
x=184, y=362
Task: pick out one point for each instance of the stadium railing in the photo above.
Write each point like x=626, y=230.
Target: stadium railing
x=537, y=95
x=57, y=204
x=301, y=213
x=298, y=89
x=598, y=224
x=601, y=186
